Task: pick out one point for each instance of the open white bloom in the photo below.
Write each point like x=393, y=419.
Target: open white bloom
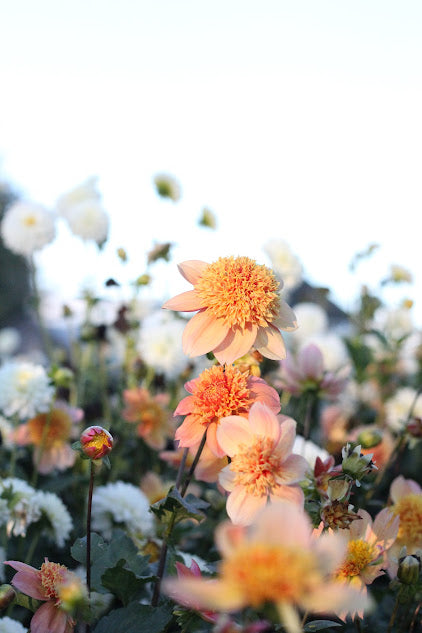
x=398, y=407
x=284, y=263
x=89, y=220
x=27, y=227
x=10, y=340
x=311, y=319
x=160, y=344
x=8, y=625
x=83, y=192
x=54, y=510
x=124, y=505
x=25, y=389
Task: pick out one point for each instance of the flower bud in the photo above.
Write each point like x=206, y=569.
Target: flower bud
x=63, y=377
x=409, y=570
x=122, y=255
x=96, y=442
x=143, y=280
x=414, y=427
x=7, y=596
x=370, y=438
x=355, y=464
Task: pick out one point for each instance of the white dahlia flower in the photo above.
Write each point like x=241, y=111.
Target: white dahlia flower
x=25, y=389
x=8, y=625
x=89, y=221
x=27, y=227
x=81, y=193
x=160, y=344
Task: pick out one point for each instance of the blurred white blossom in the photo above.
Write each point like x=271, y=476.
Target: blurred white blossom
x=311, y=320
x=81, y=193
x=8, y=625
x=10, y=340
x=284, y=263
x=399, y=406
x=160, y=343
x=27, y=227
x=25, y=389
x=89, y=221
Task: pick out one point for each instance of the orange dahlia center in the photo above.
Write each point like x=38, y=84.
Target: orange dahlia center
x=270, y=573
x=51, y=576
x=359, y=555
x=239, y=291
x=256, y=467
x=220, y=392
x=409, y=509
x=53, y=428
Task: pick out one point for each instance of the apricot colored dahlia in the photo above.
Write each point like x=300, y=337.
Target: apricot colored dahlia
x=238, y=307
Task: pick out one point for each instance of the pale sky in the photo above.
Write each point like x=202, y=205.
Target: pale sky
x=298, y=120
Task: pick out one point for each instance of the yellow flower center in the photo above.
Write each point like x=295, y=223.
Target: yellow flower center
x=50, y=429
x=359, y=555
x=30, y=220
x=220, y=392
x=51, y=576
x=270, y=573
x=409, y=509
x=256, y=467
x=239, y=291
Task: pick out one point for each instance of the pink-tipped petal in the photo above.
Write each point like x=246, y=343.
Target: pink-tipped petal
x=187, y=301
x=293, y=470
x=49, y=618
x=185, y=406
x=243, y=507
x=27, y=580
x=358, y=528
x=202, y=333
x=270, y=344
x=294, y=494
x=190, y=432
x=183, y=571
x=232, y=431
x=236, y=344
x=264, y=422
x=286, y=319
x=192, y=270
x=260, y=390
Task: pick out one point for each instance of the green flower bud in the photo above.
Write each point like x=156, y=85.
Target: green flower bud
x=409, y=570
x=370, y=438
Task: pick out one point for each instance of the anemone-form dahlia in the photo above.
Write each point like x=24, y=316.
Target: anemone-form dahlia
x=238, y=307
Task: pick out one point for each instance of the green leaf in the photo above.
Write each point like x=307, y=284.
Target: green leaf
x=319, y=625
x=135, y=618
x=98, y=547
x=175, y=508
x=123, y=583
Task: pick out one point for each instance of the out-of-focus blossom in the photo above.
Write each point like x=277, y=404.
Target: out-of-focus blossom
x=399, y=274
x=262, y=466
x=207, y=219
x=45, y=584
x=208, y=467
x=334, y=427
x=191, y=572
x=159, y=344
x=50, y=434
x=238, y=308
x=10, y=340
x=27, y=227
x=25, y=389
x=59, y=522
x=367, y=545
x=309, y=450
x=312, y=320
x=219, y=392
x=96, y=442
x=8, y=625
x=154, y=487
x=121, y=504
x=284, y=262
x=306, y=372
x=150, y=414
x=403, y=403
x=86, y=191
x=406, y=498
x=277, y=560
x=332, y=348
x=380, y=452
x=393, y=323
x=167, y=187
x=89, y=221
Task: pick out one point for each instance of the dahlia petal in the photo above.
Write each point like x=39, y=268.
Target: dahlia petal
x=49, y=618
x=226, y=478
x=386, y=526
x=357, y=529
x=401, y=487
x=192, y=269
x=294, y=494
x=229, y=536
x=286, y=319
x=185, y=406
x=188, y=301
x=213, y=443
x=236, y=344
x=283, y=523
x=289, y=617
x=335, y=597
x=242, y=507
x=190, y=386
x=202, y=333
x=311, y=361
x=292, y=470
x=199, y=593
x=287, y=438
x=331, y=549
x=264, y=422
x=261, y=390
x=27, y=580
x=270, y=344
x=190, y=432
x=232, y=431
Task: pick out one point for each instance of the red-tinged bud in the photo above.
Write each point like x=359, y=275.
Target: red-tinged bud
x=96, y=442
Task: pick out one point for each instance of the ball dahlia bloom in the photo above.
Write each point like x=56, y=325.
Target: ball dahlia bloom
x=46, y=584
x=262, y=466
x=238, y=307
x=276, y=560
x=216, y=393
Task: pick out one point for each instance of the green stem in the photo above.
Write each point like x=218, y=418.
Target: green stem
x=88, y=533
x=393, y=616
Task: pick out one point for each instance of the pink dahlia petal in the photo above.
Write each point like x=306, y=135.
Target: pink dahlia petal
x=27, y=580
x=287, y=438
x=229, y=536
x=192, y=270
x=386, y=526
x=283, y=523
x=236, y=344
x=260, y=390
x=331, y=550
x=184, y=302
x=202, y=333
x=270, y=344
x=264, y=422
x=232, y=431
x=401, y=487
x=294, y=494
x=358, y=528
x=190, y=432
x=293, y=470
x=49, y=618
x=286, y=319
x=185, y=406
x=243, y=507
x=311, y=361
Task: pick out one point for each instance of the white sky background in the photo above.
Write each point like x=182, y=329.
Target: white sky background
x=295, y=119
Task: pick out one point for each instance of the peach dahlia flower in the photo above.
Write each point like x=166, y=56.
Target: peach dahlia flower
x=150, y=414
x=262, y=466
x=216, y=393
x=406, y=495
x=276, y=560
x=238, y=307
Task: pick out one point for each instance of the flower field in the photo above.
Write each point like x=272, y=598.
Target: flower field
x=244, y=456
